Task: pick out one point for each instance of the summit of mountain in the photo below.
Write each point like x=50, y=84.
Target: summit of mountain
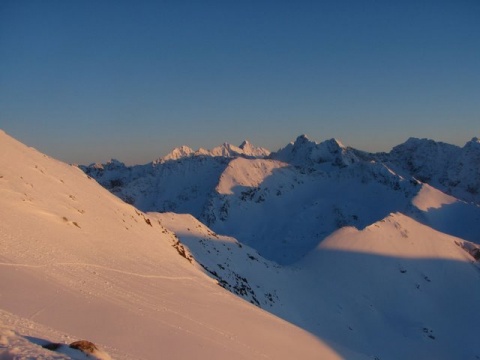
x=306, y=153
x=226, y=150
x=452, y=169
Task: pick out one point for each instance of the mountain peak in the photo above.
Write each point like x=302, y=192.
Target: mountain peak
x=244, y=144
x=251, y=150
x=414, y=141
x=177, y=153
x=302, y=139
x=224, y=150
x=336, y=143
x=427, y=145
x=473, y=146
x=474, y=140
x=304, y=152
x=113, y=164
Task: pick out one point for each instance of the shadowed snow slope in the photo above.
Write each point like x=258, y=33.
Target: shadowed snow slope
x=394, y=290
x=400, y=289
x=76, y=259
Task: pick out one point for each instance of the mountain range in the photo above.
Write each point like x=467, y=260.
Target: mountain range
x=317, y=250
x=284, y=203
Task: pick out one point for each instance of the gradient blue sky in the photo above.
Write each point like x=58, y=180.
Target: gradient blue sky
x=85, y=81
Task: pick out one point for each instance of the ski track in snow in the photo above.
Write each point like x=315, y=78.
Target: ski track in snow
x=212, y=329
x=101, y=267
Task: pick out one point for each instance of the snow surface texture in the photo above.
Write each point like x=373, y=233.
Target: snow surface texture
x=15, y=346
x=364, y=274
x=395, y=290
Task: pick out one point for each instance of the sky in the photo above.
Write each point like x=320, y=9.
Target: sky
x=87, y=81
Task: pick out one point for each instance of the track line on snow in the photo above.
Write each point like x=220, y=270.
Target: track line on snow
x=101, y=267
x=211, y=332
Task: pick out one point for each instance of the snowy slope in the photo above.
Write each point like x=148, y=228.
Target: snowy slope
x=284, y=211
x=447, y=214
x=76, y=259
x=28, y=339
x=394, y=290
x=391, y=287
x=237, y=267
x=399, y=289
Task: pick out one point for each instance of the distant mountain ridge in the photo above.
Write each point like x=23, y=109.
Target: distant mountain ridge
x=452, y=169
x=304, y=152
x=285, y=202
x=246, y=149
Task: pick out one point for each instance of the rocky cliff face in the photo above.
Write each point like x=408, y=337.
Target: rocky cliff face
x=452, y=169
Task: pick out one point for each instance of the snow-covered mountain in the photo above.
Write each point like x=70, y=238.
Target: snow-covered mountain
x=306, y=153
x=167, y=184
x=326, y=252
x=395, y=290
x=246, y=149
x=452, y=169
x=78, y=263
x=283, y=205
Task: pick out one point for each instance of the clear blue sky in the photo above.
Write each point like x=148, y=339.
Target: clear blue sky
x=86, y=81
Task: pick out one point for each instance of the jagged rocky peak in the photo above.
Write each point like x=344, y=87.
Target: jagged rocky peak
x=295, y=151
x=471, y=152
x=452, y=169
x=424, y=157
x=413, y=144
x=302, y=139
x=251, y=150
x=468, y=168
x=245, y=144
x=335, y=144
x=304, y=152
x=414, y=141
x=473, y=144
x=114, y=164
x=334, y=151
x=97, y=166
x=179, y=152
x=224, y=150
